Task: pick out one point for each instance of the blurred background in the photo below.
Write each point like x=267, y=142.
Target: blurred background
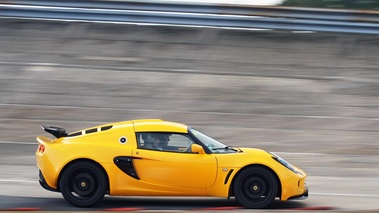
x=290, y=91
x=284, y=90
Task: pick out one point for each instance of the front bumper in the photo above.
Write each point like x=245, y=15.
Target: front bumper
x=300, y=197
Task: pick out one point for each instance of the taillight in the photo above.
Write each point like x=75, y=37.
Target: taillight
x=41, y=148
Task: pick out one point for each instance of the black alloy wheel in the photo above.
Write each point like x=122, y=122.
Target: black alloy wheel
x=255, y=187
x=83, y=184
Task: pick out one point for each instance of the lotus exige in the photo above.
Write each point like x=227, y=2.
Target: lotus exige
x=160, y=158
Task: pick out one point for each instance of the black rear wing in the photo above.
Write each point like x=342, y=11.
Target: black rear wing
x=56, y=131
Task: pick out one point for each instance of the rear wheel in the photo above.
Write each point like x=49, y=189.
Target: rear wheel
x=255, y=187
x=83, y=184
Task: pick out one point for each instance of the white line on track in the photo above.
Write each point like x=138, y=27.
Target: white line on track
x=18, y=142
x=18, y=181
x=343, y=194
x=298, y=153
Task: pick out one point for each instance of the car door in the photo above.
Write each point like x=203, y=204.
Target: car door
x=173, y=165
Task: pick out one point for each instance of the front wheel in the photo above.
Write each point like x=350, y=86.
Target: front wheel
x=83, y=184
x=255, y=187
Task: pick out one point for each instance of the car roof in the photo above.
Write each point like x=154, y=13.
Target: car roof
x=158, y=125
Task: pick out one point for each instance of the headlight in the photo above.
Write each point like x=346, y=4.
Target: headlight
x=284, y=163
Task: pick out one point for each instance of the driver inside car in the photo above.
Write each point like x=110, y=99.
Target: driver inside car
x=156, y=141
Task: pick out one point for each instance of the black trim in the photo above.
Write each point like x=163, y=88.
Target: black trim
x=103, y=128
x=58, y=132
x=91, y=130
x=300, y=197
x=228, y=176
x=74, y=134
x=197, y=141
x=126, y=165
x=43, y=183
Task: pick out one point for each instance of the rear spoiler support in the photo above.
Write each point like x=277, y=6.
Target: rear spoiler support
x=56, y=131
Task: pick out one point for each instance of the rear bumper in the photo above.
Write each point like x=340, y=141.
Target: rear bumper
x=300, y=197
x=43, y=183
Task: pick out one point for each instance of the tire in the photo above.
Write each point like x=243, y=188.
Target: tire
x=83, y=184
x=255, y=188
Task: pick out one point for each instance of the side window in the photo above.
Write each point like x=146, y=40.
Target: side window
x=172, y=142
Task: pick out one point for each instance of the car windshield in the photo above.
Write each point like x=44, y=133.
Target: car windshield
x=214, y=145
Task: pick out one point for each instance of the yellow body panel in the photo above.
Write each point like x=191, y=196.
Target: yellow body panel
x=237, y=161
x=100, y=147
x=159, y=173
x=159, y=126
x=187, y=170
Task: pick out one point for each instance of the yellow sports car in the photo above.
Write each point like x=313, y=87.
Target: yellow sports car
x=160, y=158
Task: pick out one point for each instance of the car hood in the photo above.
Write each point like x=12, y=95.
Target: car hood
x=247, y=156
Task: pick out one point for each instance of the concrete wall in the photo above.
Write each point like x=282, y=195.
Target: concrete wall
x=275, y=90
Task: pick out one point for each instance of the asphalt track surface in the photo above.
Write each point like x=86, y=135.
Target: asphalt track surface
x=312, y=98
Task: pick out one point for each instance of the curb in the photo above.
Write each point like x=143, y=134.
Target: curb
x=23, y=209
x=219, y=208
x=222, y=208
x=122, y=209
x=311, y=208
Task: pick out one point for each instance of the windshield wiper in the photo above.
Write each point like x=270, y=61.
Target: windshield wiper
x=228, y=148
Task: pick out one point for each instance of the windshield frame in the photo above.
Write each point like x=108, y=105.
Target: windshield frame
x=209, y=144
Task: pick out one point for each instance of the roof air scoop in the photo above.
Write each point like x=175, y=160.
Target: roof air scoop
x=56, y=131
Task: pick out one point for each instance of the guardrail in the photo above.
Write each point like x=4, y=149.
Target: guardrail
x=190, y=14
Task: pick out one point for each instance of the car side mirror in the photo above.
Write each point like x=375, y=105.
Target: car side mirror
x=196, y=148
